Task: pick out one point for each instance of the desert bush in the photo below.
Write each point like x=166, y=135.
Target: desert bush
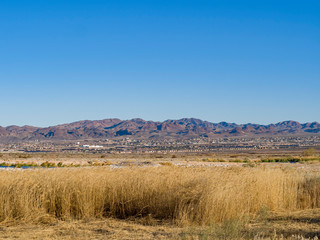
x=309, y=152
x=107, y=163
x=237, y=161
x=212, y=160
x=166, y=163
x=284, y=159
x=47, y=164
x=24, y=155
x=60, y=164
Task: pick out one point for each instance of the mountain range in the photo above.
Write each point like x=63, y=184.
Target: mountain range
x=138, y=128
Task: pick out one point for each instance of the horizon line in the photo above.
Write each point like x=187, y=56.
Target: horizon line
x=59, y=124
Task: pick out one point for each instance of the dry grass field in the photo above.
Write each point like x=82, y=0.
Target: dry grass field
x=165, y=202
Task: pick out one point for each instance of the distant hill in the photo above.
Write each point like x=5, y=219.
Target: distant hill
x=138, y=128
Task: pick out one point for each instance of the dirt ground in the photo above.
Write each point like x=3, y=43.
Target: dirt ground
x=94, y=229
x=295, y=225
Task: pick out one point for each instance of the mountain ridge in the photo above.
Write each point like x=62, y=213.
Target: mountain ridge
x=139, y=128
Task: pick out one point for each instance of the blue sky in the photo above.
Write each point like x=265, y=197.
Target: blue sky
x=234, y=61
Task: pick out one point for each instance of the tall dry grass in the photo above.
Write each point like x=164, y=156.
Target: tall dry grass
x=183, y=195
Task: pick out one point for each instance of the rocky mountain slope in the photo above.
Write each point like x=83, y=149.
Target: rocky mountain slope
x=139, y=128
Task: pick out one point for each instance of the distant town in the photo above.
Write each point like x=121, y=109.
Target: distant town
x=131, y=145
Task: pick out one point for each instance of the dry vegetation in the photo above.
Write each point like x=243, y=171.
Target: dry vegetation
x=186, y=197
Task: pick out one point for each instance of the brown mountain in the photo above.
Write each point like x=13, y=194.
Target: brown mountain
x=139, y=128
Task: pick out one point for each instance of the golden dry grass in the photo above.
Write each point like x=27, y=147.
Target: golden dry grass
x=93, y=229
x=185, y=196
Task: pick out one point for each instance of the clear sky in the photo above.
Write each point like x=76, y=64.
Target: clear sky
x=235, y=61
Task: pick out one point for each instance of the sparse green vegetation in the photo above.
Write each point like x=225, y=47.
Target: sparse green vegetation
x=48, y=164
x=18, y=165
x=212, y=160
x=289, y=159
x=238, y=161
